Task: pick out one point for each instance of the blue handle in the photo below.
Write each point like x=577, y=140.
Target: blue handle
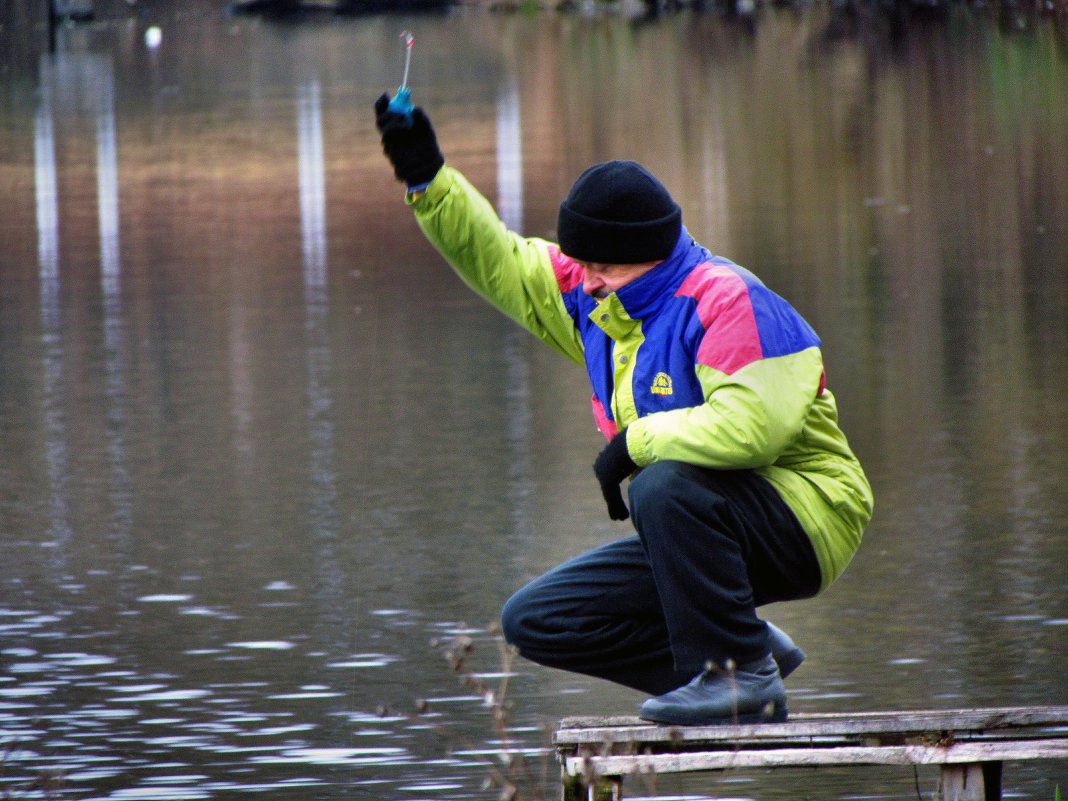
x=401, y=103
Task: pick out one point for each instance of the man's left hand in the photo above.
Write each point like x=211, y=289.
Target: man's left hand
x=614, y=464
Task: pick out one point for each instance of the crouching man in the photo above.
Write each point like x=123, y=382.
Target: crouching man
x=710, y=391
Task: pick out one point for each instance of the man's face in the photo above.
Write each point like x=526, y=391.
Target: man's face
x=601, y=280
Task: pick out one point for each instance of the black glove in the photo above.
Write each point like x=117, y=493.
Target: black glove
x=411, y=146
x=614, y=464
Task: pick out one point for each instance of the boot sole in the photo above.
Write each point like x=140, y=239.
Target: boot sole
x=778, y=715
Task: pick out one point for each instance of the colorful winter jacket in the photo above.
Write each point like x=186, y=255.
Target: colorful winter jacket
x=696, y=358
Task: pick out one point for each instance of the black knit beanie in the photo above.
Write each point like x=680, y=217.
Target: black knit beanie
x=618, y=213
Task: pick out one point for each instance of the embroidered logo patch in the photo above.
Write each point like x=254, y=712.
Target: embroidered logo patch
x=661, y=384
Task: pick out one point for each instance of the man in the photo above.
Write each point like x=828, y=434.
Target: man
x=710, y=390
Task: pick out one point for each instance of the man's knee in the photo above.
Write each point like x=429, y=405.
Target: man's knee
x=537, y=621
x=516, y=617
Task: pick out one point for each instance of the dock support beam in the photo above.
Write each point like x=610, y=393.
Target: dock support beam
x=975, y=781
x=581, y=788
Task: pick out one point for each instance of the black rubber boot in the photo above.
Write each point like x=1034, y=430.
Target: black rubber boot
x=753, y=693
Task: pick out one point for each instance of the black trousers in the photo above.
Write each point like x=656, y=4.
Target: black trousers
x=650, y=612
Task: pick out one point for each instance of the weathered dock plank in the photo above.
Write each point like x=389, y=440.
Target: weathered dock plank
x=959, y=753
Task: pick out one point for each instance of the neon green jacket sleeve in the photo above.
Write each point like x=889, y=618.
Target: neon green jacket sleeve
x=513, y=273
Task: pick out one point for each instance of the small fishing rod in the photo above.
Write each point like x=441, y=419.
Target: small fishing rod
x=401, y=102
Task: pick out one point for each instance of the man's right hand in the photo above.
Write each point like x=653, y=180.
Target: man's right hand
x=614, y=464
x=411, y=146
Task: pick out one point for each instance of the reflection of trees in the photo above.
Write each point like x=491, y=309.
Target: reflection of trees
x=24, y=35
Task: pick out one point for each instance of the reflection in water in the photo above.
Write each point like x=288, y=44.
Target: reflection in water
x=55, y=444
x=509, y=154
x=715, y=197
x=98, y=72
x=45, y=184
x=80, y=82
x=312, y=191
x=261, y=446
x=322, y=471
x=517, y=378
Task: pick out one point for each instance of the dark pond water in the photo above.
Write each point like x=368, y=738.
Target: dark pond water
x=264, y=457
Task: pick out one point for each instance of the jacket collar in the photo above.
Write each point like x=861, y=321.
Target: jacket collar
x=646, y=294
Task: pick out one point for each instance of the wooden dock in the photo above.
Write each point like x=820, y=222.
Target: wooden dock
x=970, y=745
